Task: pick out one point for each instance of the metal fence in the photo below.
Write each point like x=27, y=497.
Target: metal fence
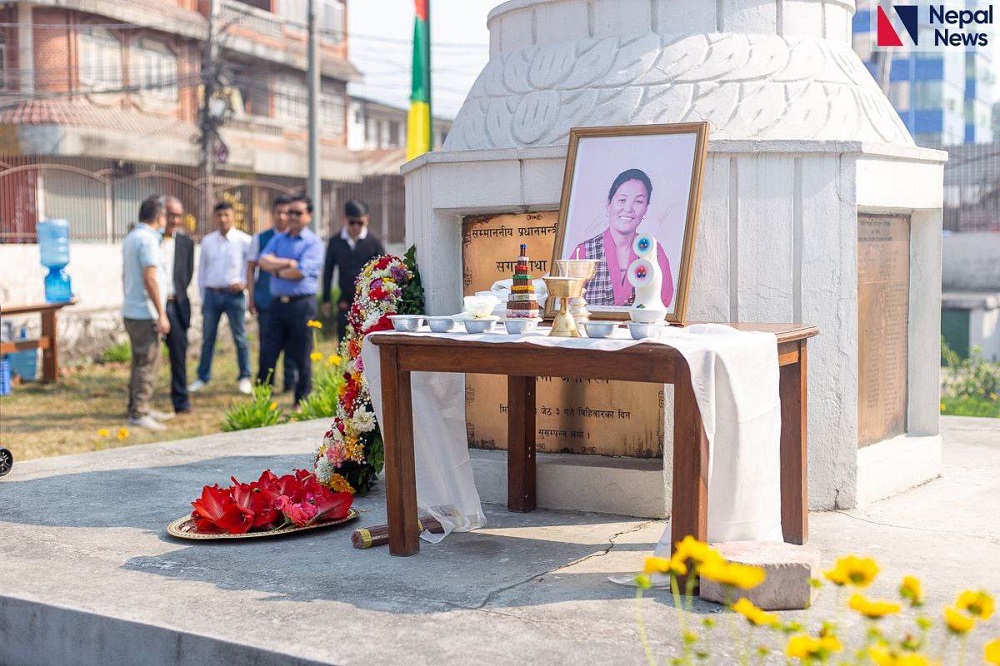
x=972, y=188
x=100, y=199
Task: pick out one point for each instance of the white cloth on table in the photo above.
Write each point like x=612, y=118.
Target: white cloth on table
x=735, y=379
x=445, y=487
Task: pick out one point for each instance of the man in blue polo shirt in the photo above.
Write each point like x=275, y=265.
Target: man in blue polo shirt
x=295, y=261
x=259, y=283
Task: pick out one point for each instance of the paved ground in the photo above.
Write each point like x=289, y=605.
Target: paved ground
x=88, y=576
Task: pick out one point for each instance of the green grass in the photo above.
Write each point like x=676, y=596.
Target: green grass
x=968, y=406
x=119, y=352
x=39, y=420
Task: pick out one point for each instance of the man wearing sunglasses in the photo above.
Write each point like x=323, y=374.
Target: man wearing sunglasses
x=294, y=259
x=348, y=252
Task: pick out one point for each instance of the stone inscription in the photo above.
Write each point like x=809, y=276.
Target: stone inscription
x=883, y=319
x=597, y=417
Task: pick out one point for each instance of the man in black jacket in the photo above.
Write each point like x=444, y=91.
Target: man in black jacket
x=348, y=251
x=177, y=251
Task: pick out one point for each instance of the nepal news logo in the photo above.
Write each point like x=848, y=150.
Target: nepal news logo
x=949, y=27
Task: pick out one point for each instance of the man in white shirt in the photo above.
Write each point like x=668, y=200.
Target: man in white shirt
x=221, y=275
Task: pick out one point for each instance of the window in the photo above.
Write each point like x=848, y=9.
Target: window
x=394, y=133
x=3, y=64
x=100, y=60
x=155, y=69
x=329, y=15
x=331, y=113
x=291, y=101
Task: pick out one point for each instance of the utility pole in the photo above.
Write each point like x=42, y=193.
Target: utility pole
x=208, y=123
x=315, y=184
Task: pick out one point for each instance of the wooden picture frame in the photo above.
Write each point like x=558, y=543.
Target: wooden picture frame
x=671, y=161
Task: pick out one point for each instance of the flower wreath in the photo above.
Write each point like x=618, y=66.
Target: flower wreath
x=351, y=454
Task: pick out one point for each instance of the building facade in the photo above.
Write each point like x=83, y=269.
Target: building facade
x=102, y=105
x=944, y=98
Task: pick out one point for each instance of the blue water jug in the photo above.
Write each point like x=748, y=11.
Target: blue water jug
x=53, y=244
x=4, y=377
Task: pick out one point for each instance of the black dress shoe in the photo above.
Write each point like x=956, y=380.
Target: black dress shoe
x=182, y=410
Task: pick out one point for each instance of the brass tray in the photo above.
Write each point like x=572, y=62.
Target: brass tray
x=183, y=528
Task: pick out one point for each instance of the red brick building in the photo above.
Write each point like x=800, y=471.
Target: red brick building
x=100, y=99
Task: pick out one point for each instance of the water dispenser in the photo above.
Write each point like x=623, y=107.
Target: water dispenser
x=53, y=243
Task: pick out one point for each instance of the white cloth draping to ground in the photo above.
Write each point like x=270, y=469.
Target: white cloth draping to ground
x=735, y=379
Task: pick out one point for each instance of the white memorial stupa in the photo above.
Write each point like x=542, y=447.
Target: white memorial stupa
x=806, y=158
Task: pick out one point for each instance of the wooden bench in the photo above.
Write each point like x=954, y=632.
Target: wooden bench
x=48, y=342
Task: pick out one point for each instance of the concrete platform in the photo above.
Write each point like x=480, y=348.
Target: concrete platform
x=88, y=575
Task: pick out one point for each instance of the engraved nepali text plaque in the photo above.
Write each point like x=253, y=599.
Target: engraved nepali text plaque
x=883, y=324
x=573, y=416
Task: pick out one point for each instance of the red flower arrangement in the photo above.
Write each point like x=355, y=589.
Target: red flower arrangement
x=270, y=502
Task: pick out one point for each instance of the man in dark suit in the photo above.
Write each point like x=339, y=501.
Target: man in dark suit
x=348, y=251
x=177, y=251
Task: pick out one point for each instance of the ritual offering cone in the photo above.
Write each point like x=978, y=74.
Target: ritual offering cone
x=522, y=302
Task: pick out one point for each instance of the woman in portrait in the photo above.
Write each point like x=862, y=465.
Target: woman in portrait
x=628, y=201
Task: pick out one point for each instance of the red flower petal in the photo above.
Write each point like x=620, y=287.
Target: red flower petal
x=332, y=506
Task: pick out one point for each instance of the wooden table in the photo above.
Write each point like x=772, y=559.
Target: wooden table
x=403, y=354
x=48, y=342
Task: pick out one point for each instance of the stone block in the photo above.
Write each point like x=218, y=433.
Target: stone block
x=624, y=18
x=789, y=569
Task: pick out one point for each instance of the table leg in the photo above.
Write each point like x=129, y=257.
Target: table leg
x=689, y=513
x=794, y=450
x=521, y=444
x=400, y=473
x=50, y=355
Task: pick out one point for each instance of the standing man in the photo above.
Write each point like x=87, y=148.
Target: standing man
x=349, y=251
x=143, y=311
x=221, y=275
x=294, y=259
x=259, y=283
x=177, y=250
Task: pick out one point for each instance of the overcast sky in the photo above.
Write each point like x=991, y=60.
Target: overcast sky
x=381, y=38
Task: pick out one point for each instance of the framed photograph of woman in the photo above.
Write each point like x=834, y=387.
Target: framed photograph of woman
x=623, y=182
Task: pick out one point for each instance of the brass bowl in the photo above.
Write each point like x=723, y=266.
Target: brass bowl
x=578, y=268
x=564, y=287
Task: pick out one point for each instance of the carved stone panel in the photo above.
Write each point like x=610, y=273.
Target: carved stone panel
x=573, y=416
x=883, y=324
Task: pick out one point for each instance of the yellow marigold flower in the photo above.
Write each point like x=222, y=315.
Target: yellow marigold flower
x=316, y=356
x=122, y=433
x=273, y=406
x=333, y=359
x=754, y=615
x=977, y=603
x=312, y=323
x=872, y=608
x=104, y=432
x=991, y=653
x=805, y=646
x=697, y=551
x=733, y=574
x=665, y=565
x=911, y=590
x=339, y=484
x=882, y=656
x=852, y=570
x=958, y=622
x=943, y=408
